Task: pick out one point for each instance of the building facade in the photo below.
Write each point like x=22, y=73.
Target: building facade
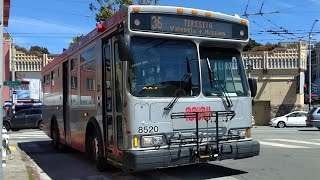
x=22, y=65
x=6, y=76
x=27, y=66
x=280, y=74
x=5, y=56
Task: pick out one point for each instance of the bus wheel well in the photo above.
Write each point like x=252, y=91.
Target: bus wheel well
x=92, y=129
x=94, y=145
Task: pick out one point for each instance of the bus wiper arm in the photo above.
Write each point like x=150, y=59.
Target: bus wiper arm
x=222, y=87
x=177, y=96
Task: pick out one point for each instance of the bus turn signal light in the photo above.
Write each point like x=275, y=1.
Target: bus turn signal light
x=248, y=133
x=135, y=142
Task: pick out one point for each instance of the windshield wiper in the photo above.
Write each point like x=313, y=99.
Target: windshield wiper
x=177, y=96
x=215, y=80
x=186, y=80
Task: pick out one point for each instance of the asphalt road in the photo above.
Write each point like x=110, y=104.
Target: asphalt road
x=289, y=153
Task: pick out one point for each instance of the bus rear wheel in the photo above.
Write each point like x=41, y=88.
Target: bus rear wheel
x=94, y=151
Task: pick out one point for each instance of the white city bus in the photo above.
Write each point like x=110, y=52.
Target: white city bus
x=153, y=87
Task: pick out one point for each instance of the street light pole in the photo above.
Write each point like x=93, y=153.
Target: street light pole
x=13, y=75
x=310, y=36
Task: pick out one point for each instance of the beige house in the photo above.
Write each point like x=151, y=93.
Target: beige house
x=280, y=74
x=26, y=66
x=33, y=61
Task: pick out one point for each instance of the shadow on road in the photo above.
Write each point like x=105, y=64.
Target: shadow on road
x=308, y=130
x=74, y=165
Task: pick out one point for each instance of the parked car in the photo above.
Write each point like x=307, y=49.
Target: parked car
x=295, y=118
x=24, y=119
x=313, y=117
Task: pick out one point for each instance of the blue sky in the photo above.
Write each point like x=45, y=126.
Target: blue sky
x=53, y=23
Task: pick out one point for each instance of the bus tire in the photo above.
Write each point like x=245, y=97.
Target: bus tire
x=55, y=136
x=94, y=150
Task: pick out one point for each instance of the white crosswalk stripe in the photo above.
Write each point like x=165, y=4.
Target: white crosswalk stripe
x=28, y=135
x=281, y=145
x=297, y=141
x=290, y=143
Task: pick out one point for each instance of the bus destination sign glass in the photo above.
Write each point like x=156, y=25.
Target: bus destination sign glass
x=188, y=25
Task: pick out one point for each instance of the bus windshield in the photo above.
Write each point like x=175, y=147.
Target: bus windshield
x=163, y=68
x=227, y=76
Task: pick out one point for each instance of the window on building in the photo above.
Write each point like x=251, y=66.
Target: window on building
x=90, y=84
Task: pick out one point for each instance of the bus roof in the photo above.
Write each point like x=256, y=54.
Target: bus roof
x=116, y=18
x=108, y=24
x=185, y=11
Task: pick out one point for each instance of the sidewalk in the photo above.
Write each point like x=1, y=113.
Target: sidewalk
x=19, y=166
x=15, y=167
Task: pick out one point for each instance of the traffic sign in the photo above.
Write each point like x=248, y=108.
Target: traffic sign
x=11, y=83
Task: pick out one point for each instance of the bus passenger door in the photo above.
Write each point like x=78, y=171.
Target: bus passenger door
x=108, y=99
x=118, y=93
x=65, y=104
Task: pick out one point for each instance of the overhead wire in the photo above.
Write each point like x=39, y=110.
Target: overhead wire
x=278, y=30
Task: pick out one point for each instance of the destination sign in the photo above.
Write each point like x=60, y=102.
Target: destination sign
x=188, y=25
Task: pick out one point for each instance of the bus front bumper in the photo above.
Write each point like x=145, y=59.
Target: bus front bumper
x=150, y=159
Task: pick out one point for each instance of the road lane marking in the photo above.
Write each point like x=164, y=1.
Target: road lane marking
x=223, y=178
x=282, y=145
x=296, y=141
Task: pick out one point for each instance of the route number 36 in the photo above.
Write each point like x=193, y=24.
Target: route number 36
x=156, y=23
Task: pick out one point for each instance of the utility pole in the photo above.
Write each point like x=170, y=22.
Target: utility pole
x=250, y=68
x=1, y=83
x=310, y=36
x=13, y=76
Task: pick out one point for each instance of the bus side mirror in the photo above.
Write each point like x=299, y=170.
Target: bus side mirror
x=253, y=86
x=124, y=47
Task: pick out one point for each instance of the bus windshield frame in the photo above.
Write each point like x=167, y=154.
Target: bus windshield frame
x=159, y=68
x=228, y=76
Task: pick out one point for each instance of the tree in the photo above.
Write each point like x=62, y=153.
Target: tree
x=75, y=39
x=39, y=49
x=108, y=7
x=252, y=43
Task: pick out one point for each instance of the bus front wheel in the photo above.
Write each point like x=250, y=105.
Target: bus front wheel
x=94, y=150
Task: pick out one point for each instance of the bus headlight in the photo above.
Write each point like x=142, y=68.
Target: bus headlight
x=148, y=141
x=242, y=133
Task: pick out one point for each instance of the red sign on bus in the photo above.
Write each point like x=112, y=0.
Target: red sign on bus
x=198, y=109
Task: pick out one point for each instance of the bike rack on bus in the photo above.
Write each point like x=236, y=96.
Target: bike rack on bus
x=206, y=115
